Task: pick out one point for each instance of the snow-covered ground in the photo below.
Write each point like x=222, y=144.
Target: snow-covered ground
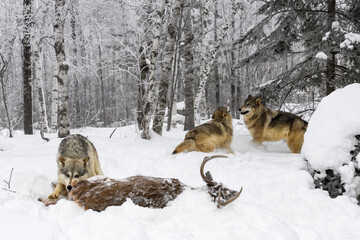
x=278, y=199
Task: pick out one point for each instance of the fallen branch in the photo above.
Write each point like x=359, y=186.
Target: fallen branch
x=9, y=182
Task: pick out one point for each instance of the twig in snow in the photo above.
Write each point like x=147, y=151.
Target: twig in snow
x=112, y=133
x=8, y=182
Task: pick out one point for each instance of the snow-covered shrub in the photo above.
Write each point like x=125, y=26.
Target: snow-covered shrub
x=331, y=142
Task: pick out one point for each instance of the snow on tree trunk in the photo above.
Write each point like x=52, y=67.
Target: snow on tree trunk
x=200, y=93
x=167, y=62
x=63, y=111
x=36, y=45
x=206, y=63
x=152, y=67
x=54, y=99
x=27, y=14
x=189, y=77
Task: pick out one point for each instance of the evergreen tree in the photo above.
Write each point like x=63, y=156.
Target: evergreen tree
x=311, y=32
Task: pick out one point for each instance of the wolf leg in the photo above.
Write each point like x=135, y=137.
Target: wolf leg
x=295, y=142
x=59, y=188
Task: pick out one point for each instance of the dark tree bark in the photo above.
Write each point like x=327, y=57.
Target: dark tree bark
x=189, y=77
x=216, y=67
x=2, y=73
x=28, y=125
x=77, y=96
x=330, y=62
x=144, y=70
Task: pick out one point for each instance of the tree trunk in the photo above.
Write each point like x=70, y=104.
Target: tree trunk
x=233, y=106
x=28, y=125
x=331, y=61
x=38, y=79
x=77, y=93
x=63, y=111
x=144, y=70
x=189, y=77
x=152, y=81
x=54, y=98
x=2, y=74
x=167, y=63
x=102, y=89
x=200, y=93
x=216, y=67
x=206, y=63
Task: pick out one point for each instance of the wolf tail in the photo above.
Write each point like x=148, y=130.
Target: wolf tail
x=186, y=145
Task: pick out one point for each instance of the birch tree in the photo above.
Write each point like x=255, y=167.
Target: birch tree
x=27, y=88
x=63, y=67
x=167, y=64
x=152, y=67
x=38, y=70
x=207, y=62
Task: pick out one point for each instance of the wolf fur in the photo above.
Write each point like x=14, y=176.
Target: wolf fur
x=77, y=160
x=267, y=124
x=212, y=135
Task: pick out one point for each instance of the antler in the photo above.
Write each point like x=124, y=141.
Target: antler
x=216, y=190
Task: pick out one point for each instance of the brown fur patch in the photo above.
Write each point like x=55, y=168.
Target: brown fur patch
x=143, y=191
x=215, y=134
x=267, y=124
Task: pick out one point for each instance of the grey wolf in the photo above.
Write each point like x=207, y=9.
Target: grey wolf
x=215, y=134
x=77, y=160
x=267, y=124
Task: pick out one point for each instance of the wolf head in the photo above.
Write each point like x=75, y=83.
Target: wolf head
x=73, y=170
x=251, y=105
x=222, y=113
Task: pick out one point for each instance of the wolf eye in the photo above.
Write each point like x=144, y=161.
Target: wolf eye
x=67, y=175
x=76, y=176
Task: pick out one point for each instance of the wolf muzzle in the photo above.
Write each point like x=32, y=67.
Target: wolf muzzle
x=243, y=112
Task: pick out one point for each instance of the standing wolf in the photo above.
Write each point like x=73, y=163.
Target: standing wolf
x=270, y=125
x=77, y=160
x=209, y=136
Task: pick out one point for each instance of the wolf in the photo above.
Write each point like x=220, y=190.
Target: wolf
x=77, y=160
x=267, y=124
x=209, y=136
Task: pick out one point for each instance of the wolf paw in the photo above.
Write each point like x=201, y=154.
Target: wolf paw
x=54, y=195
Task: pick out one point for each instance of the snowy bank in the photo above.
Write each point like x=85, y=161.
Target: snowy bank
x=331, y=136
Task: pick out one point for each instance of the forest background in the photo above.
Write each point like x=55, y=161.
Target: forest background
x=109, y=63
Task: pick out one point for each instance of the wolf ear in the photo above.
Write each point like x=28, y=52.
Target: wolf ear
x=250, y=96
x=85, y=160
x=62, y=160
x=258, y=100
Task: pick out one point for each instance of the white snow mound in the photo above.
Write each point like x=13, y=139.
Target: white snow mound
x=331, y=131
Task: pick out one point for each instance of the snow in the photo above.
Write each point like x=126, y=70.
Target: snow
x=278, y=199
x=180, y=105
x=350, y=39
x=331, y=133
x=321, y=55
x=332, y=128
x=335, y=25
